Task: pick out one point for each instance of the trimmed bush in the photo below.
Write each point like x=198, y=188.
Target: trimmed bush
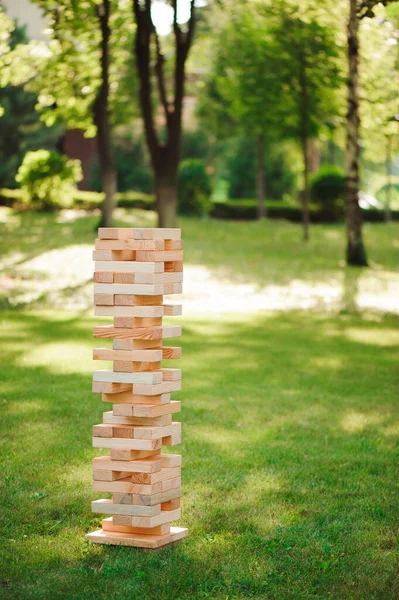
x=48, y=179
x=327, y=189
x=194, y=188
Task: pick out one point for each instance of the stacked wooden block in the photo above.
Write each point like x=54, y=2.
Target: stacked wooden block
x=134, y=268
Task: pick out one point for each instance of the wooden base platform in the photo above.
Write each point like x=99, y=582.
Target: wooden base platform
x=152, y=542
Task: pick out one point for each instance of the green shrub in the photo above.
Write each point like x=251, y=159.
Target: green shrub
x=48, y=179
x=194, y=188
x=327, y=188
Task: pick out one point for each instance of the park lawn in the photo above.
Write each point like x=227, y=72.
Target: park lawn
x=290, y=444
x=290, y=463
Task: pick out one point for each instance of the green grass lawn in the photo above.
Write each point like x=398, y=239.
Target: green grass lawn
x=290, y=438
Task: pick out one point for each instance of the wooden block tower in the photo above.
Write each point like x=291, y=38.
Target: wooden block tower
x=134, y=268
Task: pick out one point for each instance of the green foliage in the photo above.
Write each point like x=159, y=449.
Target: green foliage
x=48, y=179
x=195, y=144
x=194, y=188
x=239, y=159
x=327, y=188
x=21, y=128
x=132, y=167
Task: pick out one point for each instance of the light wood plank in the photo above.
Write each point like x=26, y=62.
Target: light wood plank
x=126, y=444
x=140, y=410
x=127, y=244
x=107, y=507
x=128, y=267
x=133, y=521
x=127, y=355
x=149, y=377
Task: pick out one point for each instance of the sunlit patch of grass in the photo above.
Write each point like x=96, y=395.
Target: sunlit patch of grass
x=354, y=422
x=373, y=336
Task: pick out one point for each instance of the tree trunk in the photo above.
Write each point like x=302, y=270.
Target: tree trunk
x=305, y=194
x=331, y=151
x=166, y=198
x=313, y=155
x=164, y=156
x=388, y=212
x=355, y=252
x=101, y=120
x=260, y=176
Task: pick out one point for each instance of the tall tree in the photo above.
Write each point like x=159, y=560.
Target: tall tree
x=311, y=78
x=248, y=79
x=164, y=149
x=355, y=250
x=84, y=77
x=101, y=118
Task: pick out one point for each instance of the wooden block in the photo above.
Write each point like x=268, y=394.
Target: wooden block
x=124, y=278
x=128, y=431
x=171, y=505
x=155, y=389
x=158, y=278
x=171, y=310
x=141, y=333
x=107, y=475
x=158, y=256
x=132, y=521
x=129, y=267
x=154, y=433
x=108, y=525
x=169, y=478
x=148, y=466
x=126, y=244
x=149, y=356
x=107, y=388
x=103, y=277
x=135, y=367
x=171, y=288
x=138, y=300
x=143, y=377
x=175, y=266
x=109, y=508
x=173, y=245
x=162, y=476
x=123, y=454
x=126, y=444
x=126, y=489
x=171, y=352
x=171, y=374
x=172, y=440
x=156, y=499
x=132, y=322
x=157, y=233
x=130, y=300
x=170, y=460
x=151, y=410
x=114, y=255
x=103, y=299
x=131, y=398
x=102, y=430
x=136, y=289
x=170, y=483
x=116, y=233
x=144, y=344
x=138, y=333
x=150, y=542
x=161, y=421
x=136, y=311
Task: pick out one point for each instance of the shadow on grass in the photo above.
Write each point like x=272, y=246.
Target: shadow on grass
x=290, y=463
